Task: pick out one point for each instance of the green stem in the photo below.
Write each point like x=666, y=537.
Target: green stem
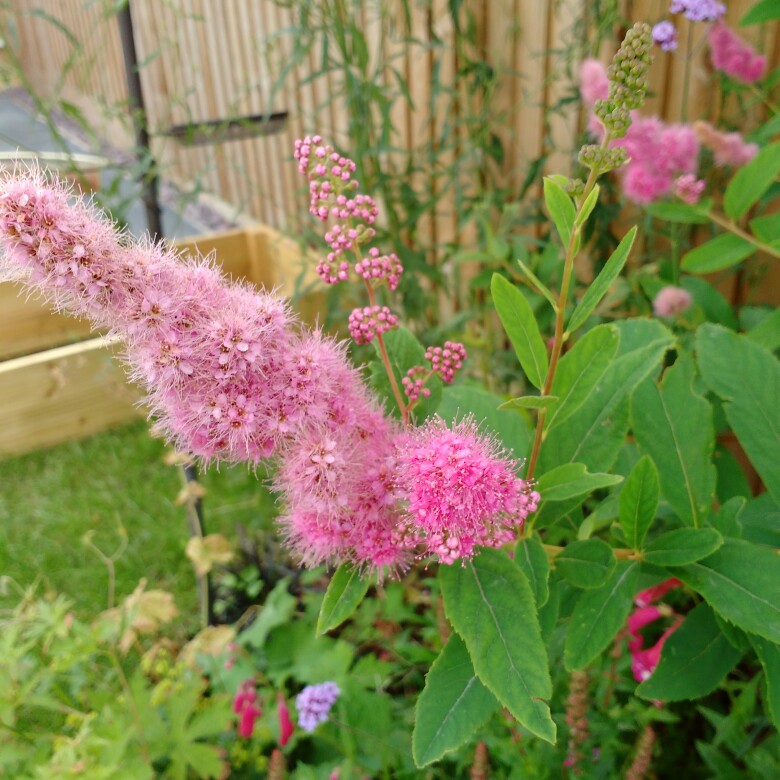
x=727, y=224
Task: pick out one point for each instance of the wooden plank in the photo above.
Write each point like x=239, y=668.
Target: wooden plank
x=61, y=394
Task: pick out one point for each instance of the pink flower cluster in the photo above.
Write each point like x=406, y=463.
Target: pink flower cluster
x=689, y=189
x=446, y=360
x=453, y=479
x=645, y=659
x=245, y=705
x=727, y=148
x=230, y=376
x=671, y=301
x=378, y=267
x=733, y=56
x=367, y=322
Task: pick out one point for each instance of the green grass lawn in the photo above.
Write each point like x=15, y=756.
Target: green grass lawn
x=50, y=499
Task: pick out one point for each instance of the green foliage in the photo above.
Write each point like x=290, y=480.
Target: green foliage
x=639, y=501
x=345, y=592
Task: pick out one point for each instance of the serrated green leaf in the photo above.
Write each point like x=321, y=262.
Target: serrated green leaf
x=682, y=546
x=573, y=479
x=530, y=402
x=587, y=563
x=763, y=11
x=601, y=284
x=587, y=206
x=345, y=592
x=751, y=181
x=769, y=655
x=599, y=615
x=716, y=254
x=531, y=557
x=519, y=322
x=451, y=707
x=747, y=379
x=639, y=501
x=673, y=424
x=742, y=582
x=502, y=635
x=694, y=660
x=561, y=209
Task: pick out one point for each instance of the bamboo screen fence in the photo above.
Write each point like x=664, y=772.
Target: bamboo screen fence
x=212, y=59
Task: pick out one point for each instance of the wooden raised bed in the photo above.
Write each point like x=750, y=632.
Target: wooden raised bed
x=57, y=383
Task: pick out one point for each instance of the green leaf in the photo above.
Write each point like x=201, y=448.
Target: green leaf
x=682, y=546
x=518, y=320
x=512, y=429
x=580, y=369
x=673, y=424
x=595, y=433
x=277, y=610
x=767, y=333
x=715, y=307
x=587, y=206
x=530, y=402
x=763, y=11
x=751, y=181
x=531, y=557
x=676, y=211
x=694, y=660
x=345, y=592
x=769, y=655
x=601, y=284
x=639, y=501
x=747, y=379
x=501, y=632
x=716, y=254
x=742, y=582
x=543, y=289
x=561, y=209
x=586, y=564
x=599, y=615
x=571, y=480
x=451, y=707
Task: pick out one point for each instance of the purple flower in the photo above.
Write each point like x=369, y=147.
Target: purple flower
x=698, y=10
x=314, y=703
x=665, y=36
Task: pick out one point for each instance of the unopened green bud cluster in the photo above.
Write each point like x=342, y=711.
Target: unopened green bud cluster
x=602, y=160
x=627, y=81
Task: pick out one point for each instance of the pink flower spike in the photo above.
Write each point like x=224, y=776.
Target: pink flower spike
x=286, y=726
x=246, y=725
x=656, y=592
x=644, y=662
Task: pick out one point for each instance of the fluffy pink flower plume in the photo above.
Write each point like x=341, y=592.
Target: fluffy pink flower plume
x=230, y=376
x=462, y=491
x=594, y=82
x=733, y=56
x=727, y=148
x=671, y=301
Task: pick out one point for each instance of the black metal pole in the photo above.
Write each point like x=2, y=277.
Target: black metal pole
x=148, y=181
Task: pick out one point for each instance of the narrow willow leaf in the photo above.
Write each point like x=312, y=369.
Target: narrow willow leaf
x=543, y=289
x=586, y=564
x=601, y=284
x=345, y=592
x=599, y=615
x=639, y=501
x=763, y=11
x=595, y=433
x=580, y=369
x=530, y=402
x=682, y=546
x=747, y=379
x=587, y=207
x=751, y=181
x=518, y=320
x=502, y=635
x=451, y=707
x=721, y=252
x=769, y=655
x=571, y=480
x=531, y=557
x=742, y=582
x=673, y=424
x=694, y=660
x=561, y=209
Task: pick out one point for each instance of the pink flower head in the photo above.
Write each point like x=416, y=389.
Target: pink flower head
x=376, y=267
x=698, y=10
x=689, y=189
x=665, y=35
x=447, y=360
x=727, y=148
x=246, y=707
x=671, y=301
x=286, y=726
x=594, y=82
x=462, y=490
x=656, y=592
x=370, y=321
x=733, y=56
x=314, y=703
